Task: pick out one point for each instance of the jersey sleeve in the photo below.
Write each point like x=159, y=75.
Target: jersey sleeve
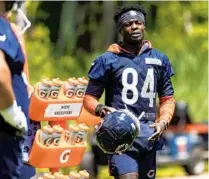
x=9, y=43
x=165, y=86
x=99, y=70
x=98, y=77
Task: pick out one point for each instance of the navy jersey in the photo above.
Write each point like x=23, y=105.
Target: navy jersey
x=15, y=59
x=15, y=149
x=133, y=82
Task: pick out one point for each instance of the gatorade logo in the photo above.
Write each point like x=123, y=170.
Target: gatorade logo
x=64, y=157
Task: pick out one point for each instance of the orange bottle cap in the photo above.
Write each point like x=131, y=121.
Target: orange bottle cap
x=75, y=175
x=83, y=127
x=84, y=78
x=47, y=129
x=74, y=127
x=84, y=174
x=58, y=175
x=72, y=81
x=58, y=129
x=57, y=81
x=65, y=177
x=48, y=176
x=82, y=81
x=47, y=82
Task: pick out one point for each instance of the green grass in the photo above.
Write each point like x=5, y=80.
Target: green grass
x=161, y=172
x=171, y=171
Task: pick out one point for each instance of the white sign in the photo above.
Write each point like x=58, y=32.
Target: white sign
x=63, y=110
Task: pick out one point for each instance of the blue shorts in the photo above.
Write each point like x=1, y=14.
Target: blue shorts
x=142, y=163
x=27, y=172
x=11, y=164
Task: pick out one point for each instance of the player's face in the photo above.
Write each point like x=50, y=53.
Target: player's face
x=133, y=31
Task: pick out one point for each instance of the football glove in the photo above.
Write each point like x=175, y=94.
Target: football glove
x=14, y=116
x=102, y=110
x=160, y=127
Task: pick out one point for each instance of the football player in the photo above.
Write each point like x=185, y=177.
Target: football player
x=133, y=73
x=14, y=100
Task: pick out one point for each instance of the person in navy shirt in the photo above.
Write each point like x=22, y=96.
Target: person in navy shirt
x=133, y=74
x=15, y=125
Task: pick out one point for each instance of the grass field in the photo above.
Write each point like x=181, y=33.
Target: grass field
x=171, y=171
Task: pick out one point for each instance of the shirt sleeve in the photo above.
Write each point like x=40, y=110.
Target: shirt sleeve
x=165, y=84
x=95, y=88
x=98, y=77
x=99, y=70
x=9, y=43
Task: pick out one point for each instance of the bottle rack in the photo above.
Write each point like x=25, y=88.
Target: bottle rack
x=50, y=109
x=64, y=155
x=57, y=111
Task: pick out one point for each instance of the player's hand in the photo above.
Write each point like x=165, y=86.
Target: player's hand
x=102, y=110
x=16, y=118
x=160, y=127
x=20, y=123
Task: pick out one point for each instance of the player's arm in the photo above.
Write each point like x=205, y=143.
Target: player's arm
x=26, y=71
x=166, y=99
x=9, y=109
x=166, y=93
x=166, y=110
x=98, y=80
x=6, y=92
x=21, y=40
x=91, y=100
x=94, y=92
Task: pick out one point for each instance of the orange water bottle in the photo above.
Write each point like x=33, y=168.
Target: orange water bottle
x=46, y=135
x=81, y=88
x=44, y=88
x=56, y=86
x=70, y=87
x=57, y=133
x=82, y=134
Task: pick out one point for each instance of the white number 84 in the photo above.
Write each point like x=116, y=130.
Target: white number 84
x=145, y=93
